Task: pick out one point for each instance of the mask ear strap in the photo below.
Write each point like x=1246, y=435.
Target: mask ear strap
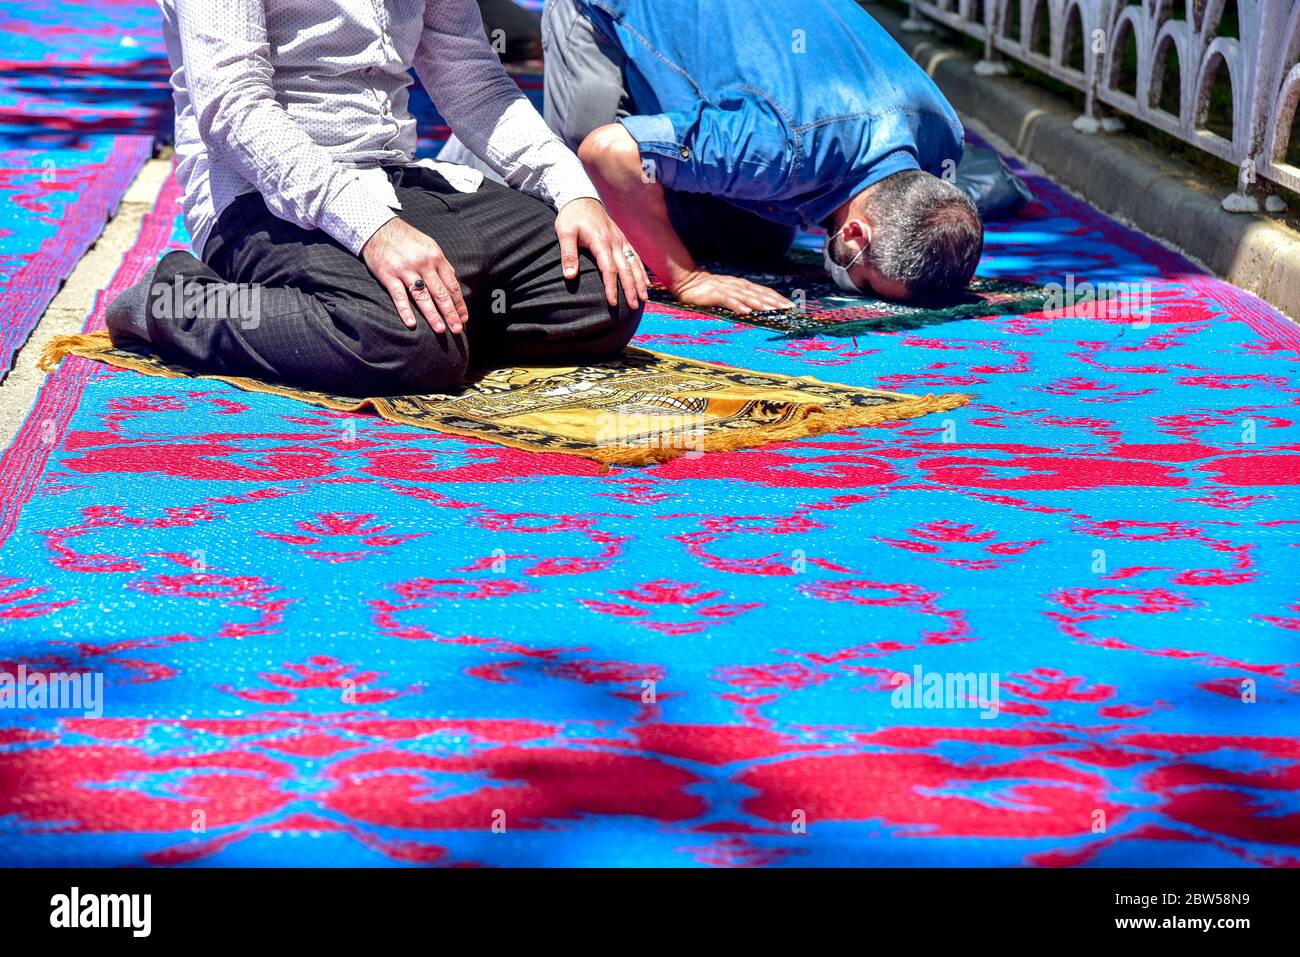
x=857, y=257
x=866, y=242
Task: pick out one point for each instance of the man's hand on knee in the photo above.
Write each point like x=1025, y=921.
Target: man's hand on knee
x=411, y=266
x=584, y=223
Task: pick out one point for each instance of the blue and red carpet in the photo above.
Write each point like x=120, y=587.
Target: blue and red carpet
x=83, y=95
x=327, y=639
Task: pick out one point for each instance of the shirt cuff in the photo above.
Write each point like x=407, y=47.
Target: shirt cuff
x=567, y=182
x=354, y=215
x=658, y=141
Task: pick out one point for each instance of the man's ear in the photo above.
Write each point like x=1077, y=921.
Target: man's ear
x=857, y=229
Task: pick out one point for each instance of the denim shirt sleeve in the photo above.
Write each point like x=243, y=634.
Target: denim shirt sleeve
x=739, y=149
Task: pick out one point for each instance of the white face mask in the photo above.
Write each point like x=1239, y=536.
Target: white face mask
x=840, y=274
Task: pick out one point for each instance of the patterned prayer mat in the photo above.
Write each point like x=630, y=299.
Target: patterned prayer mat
x=641, y=408
x=829, y=311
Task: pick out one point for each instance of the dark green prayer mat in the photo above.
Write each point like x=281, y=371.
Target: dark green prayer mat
x=829, y=311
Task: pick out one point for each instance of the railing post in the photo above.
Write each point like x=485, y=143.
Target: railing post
x=1260, y=54
x=1097, y=24
x=992, y=64
x=915, y=23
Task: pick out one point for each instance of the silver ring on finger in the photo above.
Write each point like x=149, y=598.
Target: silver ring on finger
x=629, y=254
x=417, y=286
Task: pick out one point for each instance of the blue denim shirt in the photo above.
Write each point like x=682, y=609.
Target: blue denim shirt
x=787, y=108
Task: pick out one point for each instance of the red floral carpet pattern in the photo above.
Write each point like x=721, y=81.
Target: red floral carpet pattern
x=328, y=639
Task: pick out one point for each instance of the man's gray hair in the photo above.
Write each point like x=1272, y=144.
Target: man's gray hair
x=925, y=234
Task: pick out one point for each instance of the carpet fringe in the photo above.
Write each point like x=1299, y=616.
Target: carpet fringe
x=86, y=345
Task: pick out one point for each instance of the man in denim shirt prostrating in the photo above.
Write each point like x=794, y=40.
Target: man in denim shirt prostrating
x=714, y=128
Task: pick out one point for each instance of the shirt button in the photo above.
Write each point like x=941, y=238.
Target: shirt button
x=685, y=153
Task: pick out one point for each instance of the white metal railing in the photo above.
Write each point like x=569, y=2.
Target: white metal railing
x=1262, y=67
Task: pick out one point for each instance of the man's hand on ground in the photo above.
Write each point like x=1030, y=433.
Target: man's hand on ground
x=584, y=223
x=700, y=288
x=398, y=254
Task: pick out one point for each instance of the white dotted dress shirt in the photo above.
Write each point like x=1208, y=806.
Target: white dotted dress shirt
x=305, y=100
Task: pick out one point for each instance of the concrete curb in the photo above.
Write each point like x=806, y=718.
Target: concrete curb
x=1123, y=176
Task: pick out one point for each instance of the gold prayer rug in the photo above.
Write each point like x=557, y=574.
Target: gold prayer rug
x=641, y=408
